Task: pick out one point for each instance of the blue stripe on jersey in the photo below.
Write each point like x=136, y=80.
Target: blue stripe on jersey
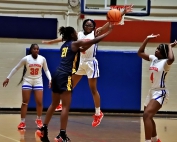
x=94, y=68
x=164, y=79
x=164, y=93
x=95, y=48
x=162, y=84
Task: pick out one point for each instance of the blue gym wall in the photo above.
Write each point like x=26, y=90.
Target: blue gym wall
x=119, y=83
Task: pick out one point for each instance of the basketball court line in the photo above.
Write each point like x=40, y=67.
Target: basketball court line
x=8, y=138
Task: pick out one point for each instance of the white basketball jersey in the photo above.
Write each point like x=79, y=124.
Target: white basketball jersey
x=91, y=52
x=34, y=67
x=157, y=72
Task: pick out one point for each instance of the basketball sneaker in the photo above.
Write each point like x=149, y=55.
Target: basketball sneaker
x=22, y=125
x=97, y=119
x=59, y=107
x=62, y=139
x=42, y=133
x=39, y=123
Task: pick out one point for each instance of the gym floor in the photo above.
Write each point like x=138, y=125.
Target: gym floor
x=113, y=128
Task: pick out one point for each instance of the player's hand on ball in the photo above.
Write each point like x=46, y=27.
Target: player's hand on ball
x=152, y=36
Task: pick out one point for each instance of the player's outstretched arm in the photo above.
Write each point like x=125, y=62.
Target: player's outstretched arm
x=52, y=41
x=171, y=57
x=14, y=70
x=141, y=52
x=86, y=44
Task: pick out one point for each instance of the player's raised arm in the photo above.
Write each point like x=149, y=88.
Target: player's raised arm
x=171, y=57
x=141, y=52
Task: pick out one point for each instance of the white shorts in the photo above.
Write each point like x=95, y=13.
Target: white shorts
x=159, y=95
x=89, y=68
x=32, y=84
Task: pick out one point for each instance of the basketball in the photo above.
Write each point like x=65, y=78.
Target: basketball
x=114, y=16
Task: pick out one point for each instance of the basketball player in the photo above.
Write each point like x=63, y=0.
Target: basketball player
x=88, y=63
x=62, y=82
x=158, y=93
x=31, y=80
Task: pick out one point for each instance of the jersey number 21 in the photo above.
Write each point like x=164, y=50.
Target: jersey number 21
x=64, y=52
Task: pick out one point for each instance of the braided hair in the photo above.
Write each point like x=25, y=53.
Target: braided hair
x=164, y=50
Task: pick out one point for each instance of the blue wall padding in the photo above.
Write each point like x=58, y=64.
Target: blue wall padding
x=173, y=31
x=119, y=83
x=28, y=28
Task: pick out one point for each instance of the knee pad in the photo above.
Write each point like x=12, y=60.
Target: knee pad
x=24, y=103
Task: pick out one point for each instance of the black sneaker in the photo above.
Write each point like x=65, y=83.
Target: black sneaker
x=42, y=133
x=62, y=139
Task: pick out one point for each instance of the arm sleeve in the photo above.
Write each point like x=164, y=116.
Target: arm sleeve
x=46, y=70
x=17, y=67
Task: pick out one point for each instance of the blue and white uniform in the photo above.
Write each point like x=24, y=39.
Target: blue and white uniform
x=158, y=72
x=88, y=63
x=33, y=76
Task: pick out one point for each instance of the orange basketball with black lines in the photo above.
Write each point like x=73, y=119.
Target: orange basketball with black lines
x=114, y=16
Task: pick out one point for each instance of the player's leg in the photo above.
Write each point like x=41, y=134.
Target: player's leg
x=26, y=92
x=66, y=101
x=38, y=94
x=154, y=136
x=96, y=97
x=65, y=91
x=92, y=74
x=148, y=115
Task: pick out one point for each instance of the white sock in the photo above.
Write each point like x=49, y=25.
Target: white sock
x=38, y=117
x=60, y=101
x=148, y=141
x=154, y=139
x=22, y=119
x=97, y=111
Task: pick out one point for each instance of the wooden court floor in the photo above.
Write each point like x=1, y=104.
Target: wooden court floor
x=112, y=129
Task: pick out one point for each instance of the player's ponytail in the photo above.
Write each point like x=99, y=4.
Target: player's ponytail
x=164, y=50
x=24, y=68
x=66, y=33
